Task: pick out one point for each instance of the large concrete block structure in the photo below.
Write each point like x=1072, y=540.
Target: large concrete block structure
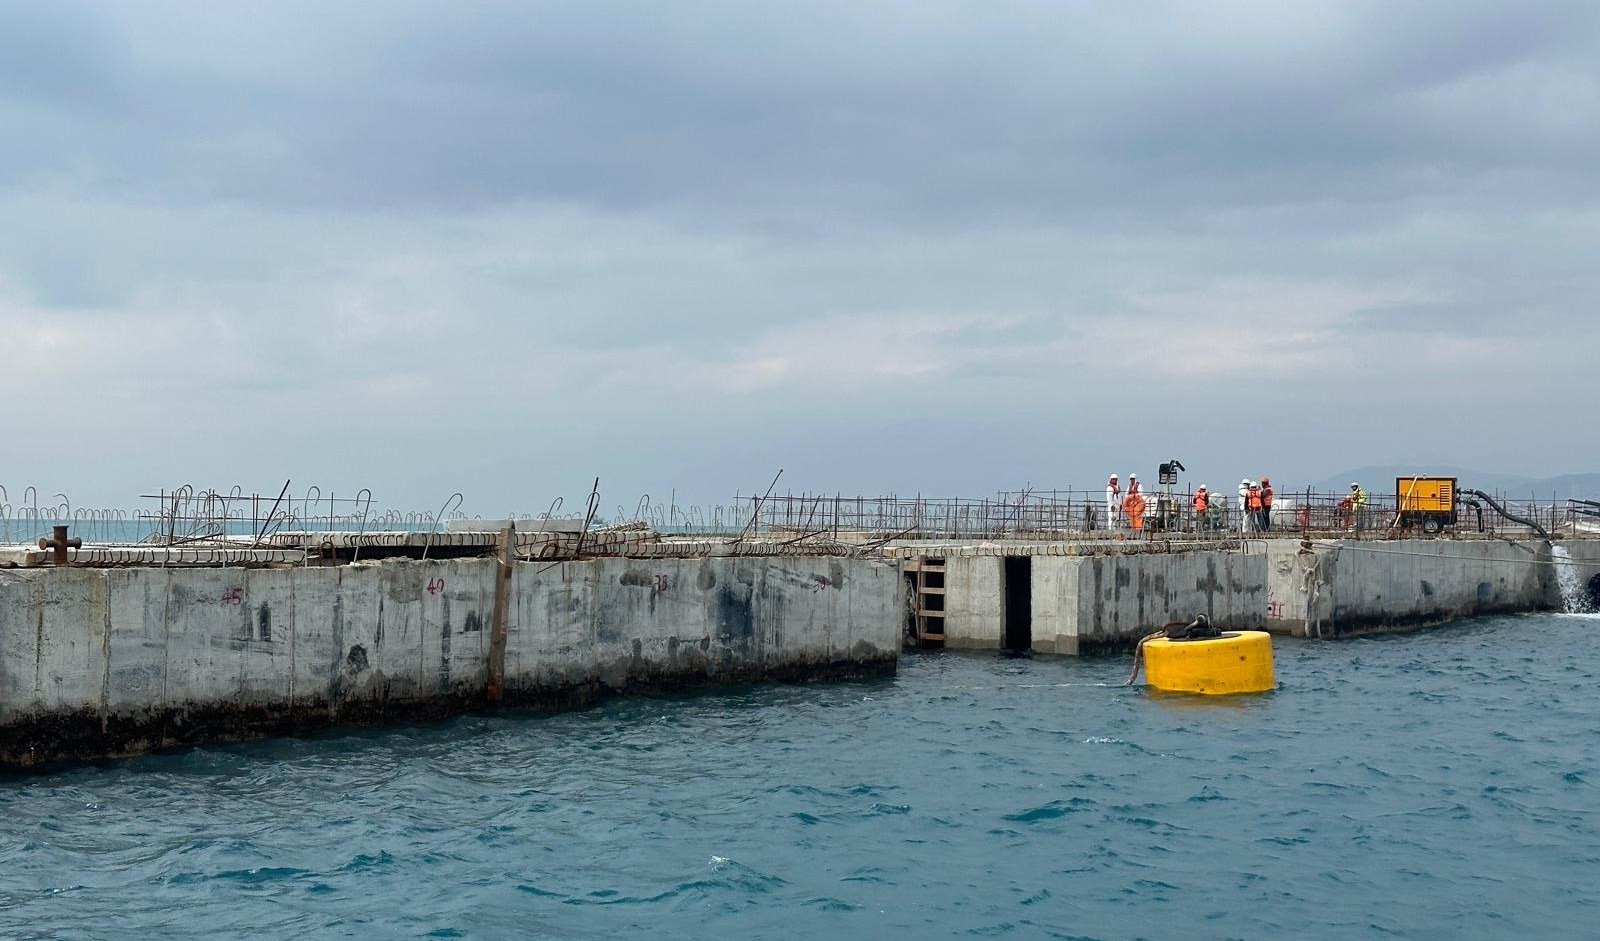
x=1332, y=588
x=104, y=661
x=1067, y=599
x=1081, y=598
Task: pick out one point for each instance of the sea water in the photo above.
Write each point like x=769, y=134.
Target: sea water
x=1435, y=785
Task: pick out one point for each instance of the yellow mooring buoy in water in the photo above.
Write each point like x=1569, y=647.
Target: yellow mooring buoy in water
x=1200, y=659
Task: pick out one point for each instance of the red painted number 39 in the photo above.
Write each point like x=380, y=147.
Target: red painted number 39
x=435, y=585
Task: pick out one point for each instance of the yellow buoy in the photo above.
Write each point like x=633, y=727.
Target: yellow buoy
x=1236, y=662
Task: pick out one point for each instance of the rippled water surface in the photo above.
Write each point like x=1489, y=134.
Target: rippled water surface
x=1436, y=785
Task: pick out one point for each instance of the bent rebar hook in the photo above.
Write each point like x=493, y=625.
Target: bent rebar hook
x=365, y=508
x=436, y=520
x=306, y=504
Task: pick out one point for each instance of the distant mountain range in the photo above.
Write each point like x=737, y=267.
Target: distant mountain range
x=1381, y=479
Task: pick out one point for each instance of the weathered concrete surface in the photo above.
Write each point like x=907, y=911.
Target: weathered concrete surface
x=98, y=662
x=1351, y=586
x=1098, y=603
x=972, y=602
x=1116, y=599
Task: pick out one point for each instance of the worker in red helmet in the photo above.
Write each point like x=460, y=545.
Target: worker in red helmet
x=1266, y=503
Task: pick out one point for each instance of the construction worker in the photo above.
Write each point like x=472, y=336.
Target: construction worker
x=1133, y=505
x=1252, y=503
x=1134, y=490
x=1199, y=502
x=1113, y=502
x=1266, y=503
x=1245, y=520
x=1358, y=503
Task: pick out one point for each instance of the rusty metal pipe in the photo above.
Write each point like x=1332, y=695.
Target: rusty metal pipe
x=59, y=543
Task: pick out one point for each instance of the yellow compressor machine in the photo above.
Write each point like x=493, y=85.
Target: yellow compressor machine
x=1429, y=502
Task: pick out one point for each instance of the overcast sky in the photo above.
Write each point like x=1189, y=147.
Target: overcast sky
x=504, y=248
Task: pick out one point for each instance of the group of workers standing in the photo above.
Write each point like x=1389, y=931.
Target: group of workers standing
x=1256, y=498
x=1128, y=508
x=1255, y=504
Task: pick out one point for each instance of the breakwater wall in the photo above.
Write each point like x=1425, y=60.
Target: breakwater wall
x=108, y=661
x=1333, y=588
x=1085, y=598
x=1075, y=599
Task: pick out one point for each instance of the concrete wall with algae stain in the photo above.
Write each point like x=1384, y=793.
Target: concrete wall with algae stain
x=100, y=662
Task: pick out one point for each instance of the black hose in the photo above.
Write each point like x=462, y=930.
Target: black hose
x=1503, y=512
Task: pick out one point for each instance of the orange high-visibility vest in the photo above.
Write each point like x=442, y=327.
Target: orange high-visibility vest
x=1253, y=501
x=1133, y=505
x=1200, y=502
x=1266, y=496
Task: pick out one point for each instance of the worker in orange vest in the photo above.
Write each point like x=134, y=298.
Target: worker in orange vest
x=1252, y=505
x=1133, y=507
x=1199, y=502
x=1266, y=503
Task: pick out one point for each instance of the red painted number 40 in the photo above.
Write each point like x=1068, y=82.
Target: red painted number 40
x=435, y=585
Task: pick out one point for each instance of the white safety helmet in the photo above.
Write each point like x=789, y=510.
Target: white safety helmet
x=1202, y=486
x=1133, y=476
x=1354, y=485
x=1113, y=476
x=1245, y=482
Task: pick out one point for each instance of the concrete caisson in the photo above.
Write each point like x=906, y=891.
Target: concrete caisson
x=1095, y=602
x=1339, y=587
x=98, y=662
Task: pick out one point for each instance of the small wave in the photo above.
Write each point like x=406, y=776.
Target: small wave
x=259, y=874
x=1052, y=810
x=870, y=874
x=827, y=904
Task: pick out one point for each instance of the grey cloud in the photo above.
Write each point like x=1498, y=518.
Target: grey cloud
x=646, y=224
x=931, y=113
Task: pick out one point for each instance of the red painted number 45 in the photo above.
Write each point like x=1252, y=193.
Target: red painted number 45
x=435, y=585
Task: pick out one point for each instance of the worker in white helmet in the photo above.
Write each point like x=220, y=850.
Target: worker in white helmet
x=1245, y=523
x=1113, y=502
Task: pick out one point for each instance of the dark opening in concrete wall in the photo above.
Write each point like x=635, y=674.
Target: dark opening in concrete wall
x=1594, y=593
x=912, y=597
x=1017, y=590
